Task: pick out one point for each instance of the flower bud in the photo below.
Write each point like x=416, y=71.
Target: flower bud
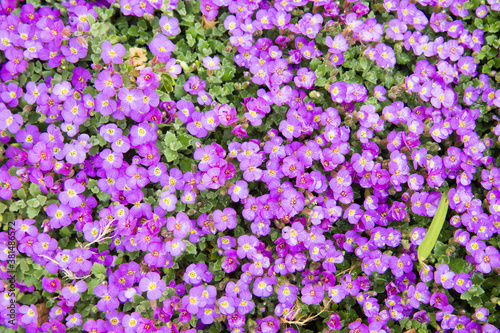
x=314, y=94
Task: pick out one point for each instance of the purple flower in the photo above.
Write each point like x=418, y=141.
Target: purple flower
x=74, y=51
x=153, y=285
x=386, y=57
x=162, y=47
x=73, y=320
x=337, y=293
x=29, y=314
x=91, y=231
x=108, y=294
x=80, y=262
x=111, y=53
x=487, y=260
x=195, y=274
x=226, y=305
x=462, y=282
x=175, y=247
x=194, y=85
x=211, y=63
x=287, y=294
x=379, y=93
x=72, y=293
x=148, y=79
x=51, y=285
x=195, y=300
x=445, y=276
x=482, y=11
x=305, y=78
x=169, y=26
x=481, y=314
x=295, y=262
x=71, y=192
x=247, y=246
x=17, y=63
x=8, y=183
x=10, y=121
x=172, y=68
x=291, y=234
x=224, y=219
x=312, y=294
x=263, y=287
x=108, y=83
x=269, y=324
x=131, y=322
x=230, y=263
x=396, y=29
x=238, y=191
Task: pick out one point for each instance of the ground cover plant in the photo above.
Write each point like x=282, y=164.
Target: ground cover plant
x=249, y=166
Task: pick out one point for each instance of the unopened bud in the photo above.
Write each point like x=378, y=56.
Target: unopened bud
x=314, y=94
x=82, y=42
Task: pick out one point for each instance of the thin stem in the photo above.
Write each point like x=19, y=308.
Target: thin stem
x=106, y=230
x=349, y=270
x=309, y=318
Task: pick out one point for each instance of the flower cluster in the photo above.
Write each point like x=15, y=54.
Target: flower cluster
x=288, y=168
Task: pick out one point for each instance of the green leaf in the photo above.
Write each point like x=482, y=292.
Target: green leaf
x=33, y=203
x=17, y=205
x=21, y=194
x=92, y=284
x=103, y=196
x=33, y=212
x=184, y=139
x=98, y=269
x=24, y=265
x=169, y=138
x=425, y=249
x=185, y=164
x=170, y=155
x=190, y=248
x=42, y=199
x=64, y=231
x=91, y=20
x=137, y=298
x=370, y=77
x=133, y=31
x=190, y=40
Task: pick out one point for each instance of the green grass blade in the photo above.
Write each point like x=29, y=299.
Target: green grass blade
x=425, y=249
